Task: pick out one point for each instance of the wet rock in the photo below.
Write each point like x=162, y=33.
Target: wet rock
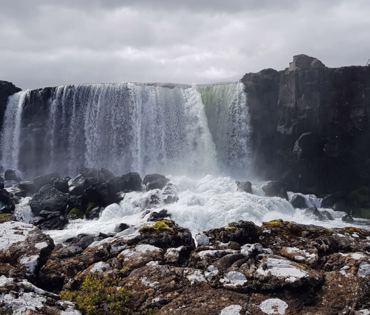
x=43, y=180
x=11, y=175
x=348, y=218
x=7, y=202
x=50, y=199
x=94, y=213
x=156, y=216
x=298, y=201
x=50, y=220
x=321, y=215
x=275, y=189
x=126, y=183
x=27, y=188
x=244, y=186
x=155, y=181
x=121, y=227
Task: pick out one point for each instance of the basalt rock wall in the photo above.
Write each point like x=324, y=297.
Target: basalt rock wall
x=311, y=125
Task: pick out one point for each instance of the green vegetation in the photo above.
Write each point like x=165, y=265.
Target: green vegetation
x=102, y=296
x=5, y=217
x=275, y=223
x=159, y=227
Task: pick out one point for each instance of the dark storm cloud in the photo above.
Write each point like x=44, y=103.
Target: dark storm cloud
x=50, y=42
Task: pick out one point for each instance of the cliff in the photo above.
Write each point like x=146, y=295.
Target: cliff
x=6, y=89
x=311, y=125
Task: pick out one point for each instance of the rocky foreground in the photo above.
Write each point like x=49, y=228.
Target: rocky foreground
x=278, y=268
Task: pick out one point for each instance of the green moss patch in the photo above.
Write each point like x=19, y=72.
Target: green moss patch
x=158, y=227
x=102, y=296
x=5, y=217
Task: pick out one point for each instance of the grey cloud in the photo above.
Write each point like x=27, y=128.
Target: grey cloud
x=59, y=42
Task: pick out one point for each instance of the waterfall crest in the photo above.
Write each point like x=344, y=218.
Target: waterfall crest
x=178, y=129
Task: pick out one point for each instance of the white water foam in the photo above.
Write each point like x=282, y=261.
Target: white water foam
x=204, y=203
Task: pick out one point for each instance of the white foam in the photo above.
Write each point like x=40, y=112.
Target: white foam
x=204, y=203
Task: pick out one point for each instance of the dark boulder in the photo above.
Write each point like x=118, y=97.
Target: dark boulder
x=94, y=213
x=50, y=199
x=50, y=220
x=42, y=180
x=126, y=183
x=121, y=227
x=299, y=201
x=156, y=216
x=27, y=188
x=11, y=175
x=244, y=186
x=155, y=181
x=2, y=184
x=275, y=188
x=7, y=202
x=320, y=215
x=61, y=183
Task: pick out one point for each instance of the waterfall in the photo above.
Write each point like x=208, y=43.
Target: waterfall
x=227, y=111
x=12, y=130
x=178, y=129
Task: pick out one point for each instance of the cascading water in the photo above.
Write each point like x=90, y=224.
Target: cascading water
x=128, y=127
x=229, y=122
x=12, y=129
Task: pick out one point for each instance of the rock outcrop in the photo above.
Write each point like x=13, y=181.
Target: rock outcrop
x=277, y=268
x=311, y=125
x=6, y=89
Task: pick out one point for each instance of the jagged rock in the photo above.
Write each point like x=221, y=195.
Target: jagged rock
x=23, y=249
x=50, y=199
x=155, y=181
x=241, y=232
x=50, y=220
x=322, y=215
x=244, y=186
x=18, y=296
x=275, y=189
x=156, y=216
x=121, y=227
x=7, y=202
x=347, y=218
x=94, y=213
x=164, y=234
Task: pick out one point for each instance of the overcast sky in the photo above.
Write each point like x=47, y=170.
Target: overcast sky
x=54, y=42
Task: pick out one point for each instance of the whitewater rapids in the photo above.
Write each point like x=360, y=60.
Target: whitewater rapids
x=204, y=203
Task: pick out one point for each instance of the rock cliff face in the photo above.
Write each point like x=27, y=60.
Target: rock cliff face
x=311, y=125
x=6, y=89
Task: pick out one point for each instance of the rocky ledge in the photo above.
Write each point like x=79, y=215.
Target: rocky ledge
x=277, y=268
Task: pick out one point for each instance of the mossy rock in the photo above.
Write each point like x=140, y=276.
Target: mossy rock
x=75, y=213
x=275, y=224
x=158, y=227
x=5, y=217
x=101, y=295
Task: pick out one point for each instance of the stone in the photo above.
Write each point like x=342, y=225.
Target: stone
x=298, y=201
x=155, y=181
x=11, y=175
x=275, y=189
x=50, y=199
x=244, y=186
x=7, y=202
